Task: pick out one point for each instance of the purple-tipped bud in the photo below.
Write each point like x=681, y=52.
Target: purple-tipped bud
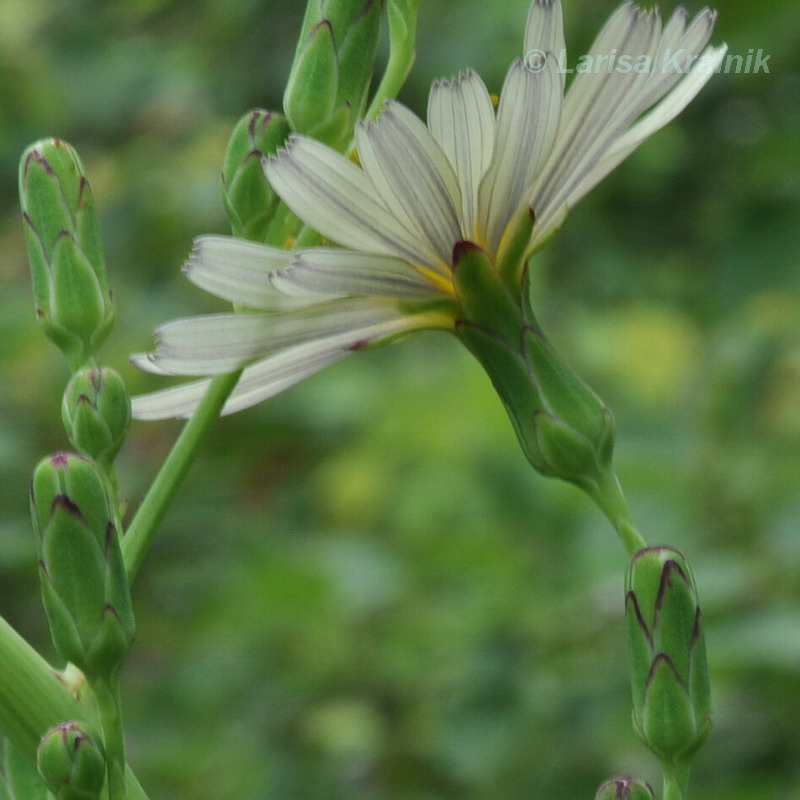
x=669, y=674
x=70, y=287
x=83, y=581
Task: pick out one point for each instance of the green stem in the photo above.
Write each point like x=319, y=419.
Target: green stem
x=108, y=703
x=676, y=781
x=607, y=493
x=402, y=35
x=34, y=698
x=142, y=529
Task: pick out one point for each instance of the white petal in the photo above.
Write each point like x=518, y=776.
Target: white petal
x=663, y=113
x=461, y=119
x=413, y=177
x=527, y=123
x=598, y=104
x=544, y=32
x=242, y=272
x=346, y=272
x=333, y=196
x=218, y=343
x=272, y=375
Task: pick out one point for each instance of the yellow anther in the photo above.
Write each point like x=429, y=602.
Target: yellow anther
x=495, y=98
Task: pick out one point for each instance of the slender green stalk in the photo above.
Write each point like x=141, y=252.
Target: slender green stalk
x=607, y=493
x=142, y=530
x=106, y=694
x=676, y=782
x=34, y=698
x=402, y=36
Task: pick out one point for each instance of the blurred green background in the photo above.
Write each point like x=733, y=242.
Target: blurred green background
x=363, y=591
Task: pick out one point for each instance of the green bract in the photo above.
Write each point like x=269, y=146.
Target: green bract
x=564, y=428
x=70, y=287
x=247, y=196
x=329, y=81
x=96, y=411
x=669, y=674
x=624, y=787
x=84, y=586
x=71, y=764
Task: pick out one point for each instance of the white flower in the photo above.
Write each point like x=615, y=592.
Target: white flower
x=504, y=181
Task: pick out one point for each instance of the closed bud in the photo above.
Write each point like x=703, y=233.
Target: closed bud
x=70, y=287
x=83, y=581
x=565, y=430
x=71, y=764
x=329, y=81
x=669, y=673
x=96, y=411
x=247, y=196
x=624, y=787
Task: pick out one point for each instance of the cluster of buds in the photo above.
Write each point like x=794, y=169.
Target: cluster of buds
x=667, y=655
x=564, y=428
x=73, y=302
x=71, y=764
x=249, y=200
x=329, y=81
x=83, y=581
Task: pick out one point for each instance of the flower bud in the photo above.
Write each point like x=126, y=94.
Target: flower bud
x=70, y=287
x=96, y=411
x=329, y=81
x=71, y=764
x=564, y=428
x=83, y=581
x=247, y=196
x=624, y=787
x=669, y=674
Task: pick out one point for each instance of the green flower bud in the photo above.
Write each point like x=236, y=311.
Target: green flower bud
x=84, y=585
x=564, y=428
x=329, y=81
x=247, y=196
x=669, y=674
x=70, y=287
x=71, y=764
x=624, y=787
x=96, y=411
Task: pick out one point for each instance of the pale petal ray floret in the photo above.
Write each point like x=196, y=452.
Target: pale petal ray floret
x=416, y=192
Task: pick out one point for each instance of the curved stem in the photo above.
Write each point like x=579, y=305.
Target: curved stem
x=142, y=530
x=607, y=493
x=402, y=35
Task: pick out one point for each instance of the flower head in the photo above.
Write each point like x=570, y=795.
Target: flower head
x=500, y=179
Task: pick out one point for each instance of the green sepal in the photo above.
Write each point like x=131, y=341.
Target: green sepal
x=484, y=300
x=310, y=96
x=356, y=56
x=625, y=787
x=96, y=412
x=668, y=723
x=568, y=399
x=565, y=430
x=20, y=779
x=249, y=200
x=71, y=764
x=83, y=581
